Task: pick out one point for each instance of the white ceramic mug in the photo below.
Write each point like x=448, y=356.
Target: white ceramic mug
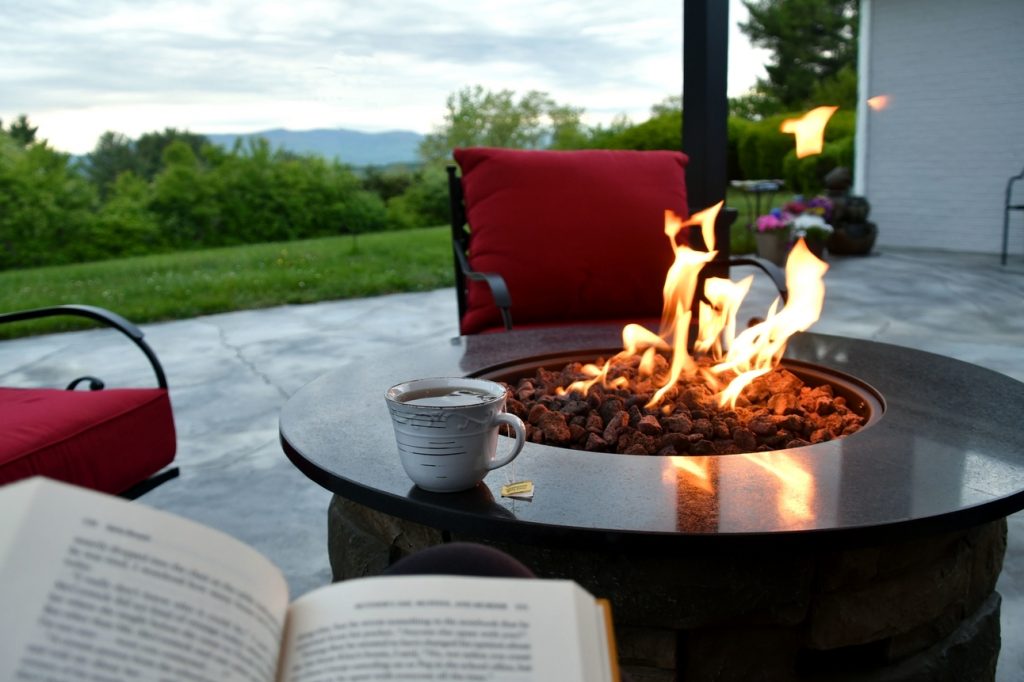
x=447, y=430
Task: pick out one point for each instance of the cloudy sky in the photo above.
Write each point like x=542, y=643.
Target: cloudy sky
x=229, y=66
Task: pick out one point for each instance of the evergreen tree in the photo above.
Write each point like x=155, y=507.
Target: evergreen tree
x=116, y=153
x=811, y=41
x=113, y=155
x=21, y=131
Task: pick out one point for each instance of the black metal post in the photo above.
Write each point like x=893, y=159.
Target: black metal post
x=705, y=124
x=705, y=101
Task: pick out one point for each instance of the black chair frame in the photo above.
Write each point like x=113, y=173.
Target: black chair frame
x=135, y=335
x=1009, y=206
x=719, y=267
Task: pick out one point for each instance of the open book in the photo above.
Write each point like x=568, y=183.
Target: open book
x=97, y=588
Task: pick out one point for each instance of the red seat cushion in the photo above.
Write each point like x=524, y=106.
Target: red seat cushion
x=106, y=440
x=577, y=235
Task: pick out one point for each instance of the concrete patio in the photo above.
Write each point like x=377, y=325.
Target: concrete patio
x=231, y=373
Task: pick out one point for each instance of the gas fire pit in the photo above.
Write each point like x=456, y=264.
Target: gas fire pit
x=794, y=405
x=874, y=555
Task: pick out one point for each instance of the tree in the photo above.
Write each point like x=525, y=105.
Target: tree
x=21, y=131
x=479, y=117
x=150, y=148
x=811, y=42
x=113, y=154
x=124, y=225
x=386, y=182
x=45, y=207
x=184, y=200
x=671, y=105
x=840, y=91
x=425, y=203
x=567, y=129
x=663, y=130
x=753, y=105
x=116, y=153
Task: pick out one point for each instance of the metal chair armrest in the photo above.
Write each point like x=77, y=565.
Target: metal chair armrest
x=496, y=283
x=102, y=315
x=777, y=275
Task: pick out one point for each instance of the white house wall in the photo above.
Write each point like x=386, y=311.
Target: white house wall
x=939, y=155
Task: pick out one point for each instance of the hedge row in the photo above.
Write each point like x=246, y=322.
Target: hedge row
x=758, y=149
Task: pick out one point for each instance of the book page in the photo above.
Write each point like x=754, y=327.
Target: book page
x=99, y=588
x=445, y=628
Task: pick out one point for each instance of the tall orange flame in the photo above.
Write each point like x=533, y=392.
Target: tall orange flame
x=809, y=130
x=681, y=279
x=745, y=355
x=759, y=348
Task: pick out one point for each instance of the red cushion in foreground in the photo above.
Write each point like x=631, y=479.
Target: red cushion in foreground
x=106, y=440
x=578, y=236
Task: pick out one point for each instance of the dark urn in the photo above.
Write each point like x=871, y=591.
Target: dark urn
x=853, y=233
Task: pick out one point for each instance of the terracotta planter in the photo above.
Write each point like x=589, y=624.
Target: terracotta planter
x=773, y=245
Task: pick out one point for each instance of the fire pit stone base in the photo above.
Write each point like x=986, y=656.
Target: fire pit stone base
x=919, y=610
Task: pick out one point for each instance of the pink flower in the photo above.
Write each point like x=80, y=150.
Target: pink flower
x=771, y=221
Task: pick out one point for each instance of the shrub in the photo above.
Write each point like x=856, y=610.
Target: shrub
x=44, y=206
x=762, y=148
x=184, y=200
x=737, y=130
x=663, y=130
x=807, y=175
x=123, y=226
x=362, y=212
x=425, y=203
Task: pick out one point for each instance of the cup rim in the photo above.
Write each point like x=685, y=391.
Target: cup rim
x=492, y=387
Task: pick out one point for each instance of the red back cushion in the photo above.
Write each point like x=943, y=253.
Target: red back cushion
x=578, y=236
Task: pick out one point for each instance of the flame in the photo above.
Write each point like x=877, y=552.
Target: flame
x=753, y=352
x=681, y=279
x=878, y=102
x=747, y=355
x=809, y=130
x=759, y=348
x=718, y=314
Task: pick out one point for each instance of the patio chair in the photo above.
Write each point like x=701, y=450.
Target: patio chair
x=1007, y=207
x=544, y=238
x=115, y=440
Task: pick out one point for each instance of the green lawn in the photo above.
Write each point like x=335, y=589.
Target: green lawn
x=742, y=238
x=186, y=284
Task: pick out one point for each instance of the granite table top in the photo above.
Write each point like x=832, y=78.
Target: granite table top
x=946, y=453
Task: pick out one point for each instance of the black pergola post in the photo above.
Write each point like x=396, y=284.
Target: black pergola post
x=705, y=126
x=705, y=101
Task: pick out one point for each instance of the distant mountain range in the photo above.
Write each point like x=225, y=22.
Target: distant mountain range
x=348, y=146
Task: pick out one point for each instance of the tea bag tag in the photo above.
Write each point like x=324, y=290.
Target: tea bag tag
x=522, y=490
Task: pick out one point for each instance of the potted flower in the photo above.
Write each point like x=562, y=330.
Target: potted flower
x=779, y=229
x=814, y=231
x=772, y=235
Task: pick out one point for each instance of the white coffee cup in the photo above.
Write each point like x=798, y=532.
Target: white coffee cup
x=447, y=430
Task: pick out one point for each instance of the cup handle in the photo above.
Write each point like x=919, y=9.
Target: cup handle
x=517, y=425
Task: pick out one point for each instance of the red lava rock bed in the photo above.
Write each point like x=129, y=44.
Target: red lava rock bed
x=776, y=411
